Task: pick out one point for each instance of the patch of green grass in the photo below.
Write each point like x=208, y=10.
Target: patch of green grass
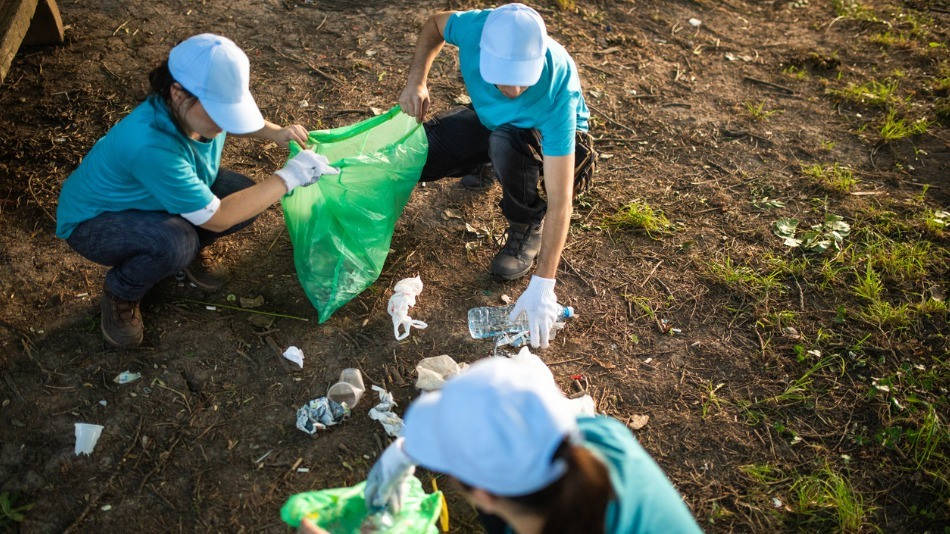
x=826, y=498
x=9, y=511
x=763, y=474
x=901, y=260
x=871, y=93
x=853, y=10
x=758, y=111
x=742, y=278
x=891, y=40
x=931, y=306
x=800, y=389
x=886, y=315
x=836, y=178
x=639, y=216
x=868, y=286
x=794, y=71
x=710, y=398
x=894, y=128
x=930, y=441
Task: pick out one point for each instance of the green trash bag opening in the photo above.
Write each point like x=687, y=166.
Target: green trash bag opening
x=341, y=227
x=343, y=511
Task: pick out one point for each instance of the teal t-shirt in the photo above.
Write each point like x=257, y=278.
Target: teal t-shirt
x=143, y=163
x=646, y=501
x=554, y=106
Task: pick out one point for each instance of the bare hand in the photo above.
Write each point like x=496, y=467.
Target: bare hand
x=414, y=100
x=294, y=132
x=306, y=527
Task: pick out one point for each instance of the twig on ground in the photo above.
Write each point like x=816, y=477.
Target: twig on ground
x=771, y=85
x=647, y=279
x=248, y=310
x=611, y=120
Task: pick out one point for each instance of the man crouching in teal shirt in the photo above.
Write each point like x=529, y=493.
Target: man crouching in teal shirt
x=529, y=120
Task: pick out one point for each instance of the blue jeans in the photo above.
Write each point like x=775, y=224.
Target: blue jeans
x=144, y=247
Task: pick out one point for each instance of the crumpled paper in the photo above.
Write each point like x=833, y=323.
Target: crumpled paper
x=295, y=355
x=320, y=413
x=383, y=412
x=434, y=371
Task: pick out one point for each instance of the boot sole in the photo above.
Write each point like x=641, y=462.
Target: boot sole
x=513, y=276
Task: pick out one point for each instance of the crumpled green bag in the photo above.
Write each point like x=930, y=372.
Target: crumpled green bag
x=343, y=510
x=341, y=227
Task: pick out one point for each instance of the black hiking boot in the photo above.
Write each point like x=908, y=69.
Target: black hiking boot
x=515, y=259
x=121, y=320
x=202, y=272
x=481, y=180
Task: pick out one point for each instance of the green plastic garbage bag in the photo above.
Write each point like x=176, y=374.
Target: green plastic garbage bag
x=341, y=227
x=343, y=510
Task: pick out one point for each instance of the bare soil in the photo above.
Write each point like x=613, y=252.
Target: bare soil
x=206, y=440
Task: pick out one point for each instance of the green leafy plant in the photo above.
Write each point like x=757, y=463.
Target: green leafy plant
x=818, y=239
x=9, y=512
x=758, y=111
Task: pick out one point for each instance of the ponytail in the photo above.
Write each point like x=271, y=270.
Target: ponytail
x=577, y=502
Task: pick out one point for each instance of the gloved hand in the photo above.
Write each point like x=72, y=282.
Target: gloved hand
x=304, y=169
x=540, y=303
x=385, y=483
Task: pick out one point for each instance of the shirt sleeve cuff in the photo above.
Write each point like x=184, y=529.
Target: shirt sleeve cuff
x=199, y=217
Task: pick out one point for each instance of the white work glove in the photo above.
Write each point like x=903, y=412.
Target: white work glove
x=540, y=303
x=304, y=169
x=385, y=485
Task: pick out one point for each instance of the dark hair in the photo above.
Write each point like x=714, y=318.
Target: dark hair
x=161, y=80
x=577, y=502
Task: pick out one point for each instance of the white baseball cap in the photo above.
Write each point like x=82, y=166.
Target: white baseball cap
x=217, y=72
x=495, y=426
x=513, y=45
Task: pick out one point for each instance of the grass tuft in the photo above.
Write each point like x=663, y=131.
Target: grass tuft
x=872, y=93
x=758, y=111
x=639, y=216
x=827, y=497
x=836, y=178
x=894, y=128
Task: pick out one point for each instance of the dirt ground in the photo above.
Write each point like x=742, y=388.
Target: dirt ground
x=786, y=398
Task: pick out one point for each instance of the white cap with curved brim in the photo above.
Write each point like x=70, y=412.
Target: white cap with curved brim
x=495, y=426
x=217, y=72
x=512, y=47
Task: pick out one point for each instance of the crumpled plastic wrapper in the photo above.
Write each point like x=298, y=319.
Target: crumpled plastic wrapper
x=404, y=296
x=383, y=412
x=434, y=371
x=320, y=413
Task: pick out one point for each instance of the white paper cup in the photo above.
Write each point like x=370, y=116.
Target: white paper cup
x=86, y=437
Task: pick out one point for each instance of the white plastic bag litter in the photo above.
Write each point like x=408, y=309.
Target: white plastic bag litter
x=434, y=371
x=404, y=296
x=86, y=437
x=383, y=412
x=295, y=355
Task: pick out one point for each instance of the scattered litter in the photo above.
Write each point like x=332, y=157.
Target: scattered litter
x=434, y=371
x=404, y=296
x=814, y=352
x=304, y=104
x=303, y=469
x=211, y=308
x=256, y=302
x=320, y=413
x=796, y=440
x=103, y=402
x=695, y=23
x=376, y=111
x=349, y=390
x=295, y=355
x=791, y=333
x=668, y=329
x=638, y=421
x=648, y=360
x=506, y=299
x=463, y=100
x=126, y=376
x=511, y=339
x=383, y=412
x=776, y=502
x=86, y=437
x=106, y=507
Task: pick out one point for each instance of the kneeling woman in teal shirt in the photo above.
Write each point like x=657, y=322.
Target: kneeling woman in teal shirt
x=525, y=460
x=151, y=195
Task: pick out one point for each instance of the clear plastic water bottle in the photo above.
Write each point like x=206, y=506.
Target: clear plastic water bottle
x=492, y=321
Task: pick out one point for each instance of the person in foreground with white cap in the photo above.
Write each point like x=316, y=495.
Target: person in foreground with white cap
x=151, y=194
x=505, y=431
x=529, y=120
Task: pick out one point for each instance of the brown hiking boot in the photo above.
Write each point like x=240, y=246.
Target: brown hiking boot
x=515, y=259
x=480, y=180
x=202, y=272
x=121, y=320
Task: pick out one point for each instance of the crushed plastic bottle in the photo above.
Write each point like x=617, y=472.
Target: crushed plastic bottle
x=492, y=321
